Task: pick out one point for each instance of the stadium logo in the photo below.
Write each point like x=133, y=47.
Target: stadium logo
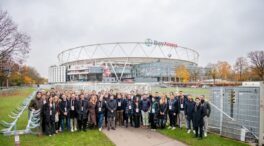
x=150, y=42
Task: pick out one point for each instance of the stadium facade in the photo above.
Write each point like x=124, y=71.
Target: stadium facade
x=148, y=61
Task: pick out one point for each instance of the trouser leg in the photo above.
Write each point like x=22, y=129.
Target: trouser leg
x=201, y=131
x=205, y=124
x=85, y=124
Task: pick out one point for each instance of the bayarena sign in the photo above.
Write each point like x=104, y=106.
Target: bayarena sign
x=150, y=42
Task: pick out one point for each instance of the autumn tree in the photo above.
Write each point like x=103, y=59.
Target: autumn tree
x=212, y=71
x=14, y=45
x=182, y=74
x=257, y=61
x=194, y=73
x=241, y=68
x=224, y=69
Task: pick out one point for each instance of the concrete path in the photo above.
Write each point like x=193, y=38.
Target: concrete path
x=139, y=137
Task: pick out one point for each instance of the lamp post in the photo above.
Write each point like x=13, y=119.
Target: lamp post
x=169, y=74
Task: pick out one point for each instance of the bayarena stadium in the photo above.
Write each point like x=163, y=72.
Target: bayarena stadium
x=146, y=61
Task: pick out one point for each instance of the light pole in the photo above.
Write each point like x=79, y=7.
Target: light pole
x=169, y=74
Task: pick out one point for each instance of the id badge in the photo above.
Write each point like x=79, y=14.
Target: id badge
x=153, y=110
x=17, y=138
x=181, y=105
x=119, y=103
x=137, y=110
x=72, y=108
x=129, y=107
x=82, y=108
x=50, y=112
x=99, y=109
x=170, y=107
x=65, y=109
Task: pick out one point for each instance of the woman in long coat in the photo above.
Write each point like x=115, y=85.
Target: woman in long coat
x=92, y=110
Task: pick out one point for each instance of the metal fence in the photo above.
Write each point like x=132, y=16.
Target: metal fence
x=235, y=112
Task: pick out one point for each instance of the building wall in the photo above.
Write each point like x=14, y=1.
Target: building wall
x=57, y=74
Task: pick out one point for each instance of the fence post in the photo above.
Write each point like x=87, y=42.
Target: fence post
x=221, y=107
x=261, y=114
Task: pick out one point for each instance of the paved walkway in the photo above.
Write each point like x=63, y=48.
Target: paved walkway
x=139, y=137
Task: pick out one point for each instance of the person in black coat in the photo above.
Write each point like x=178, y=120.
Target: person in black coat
x=64, y=108
x=106, y=98
x=111, y=106
x=163, y=111
x=153, y=114
x=173, y=106
x=73, y=113
x=120, y=109
x=198, y=114
x=82, y=111
x=100, y=109
x=128, y=104
x=189, y=109
x=136, y=112
x=49, y=111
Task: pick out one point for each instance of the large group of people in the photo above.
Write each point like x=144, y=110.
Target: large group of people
x=62, y=110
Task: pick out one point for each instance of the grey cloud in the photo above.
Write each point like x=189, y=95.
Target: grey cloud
x=218, y=30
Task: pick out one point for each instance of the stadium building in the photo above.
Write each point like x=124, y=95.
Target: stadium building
x=149, y=61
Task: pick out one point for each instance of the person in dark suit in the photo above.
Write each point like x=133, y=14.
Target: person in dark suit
x=64, y=108
x=82, y=111
x=162, y=111
x=73, y=113
x=120, y=109
x=106, y=98
x=189, y=109
x=49, y=111
x=111, y=106
x=173, y=106
x=128, y=110
x=153, y=114
x=198, y=115
x=100, y=109
x=136, y=112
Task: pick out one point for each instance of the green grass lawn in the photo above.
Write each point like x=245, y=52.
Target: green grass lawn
x=210, y=140
x=192, y=91
x=8, y=103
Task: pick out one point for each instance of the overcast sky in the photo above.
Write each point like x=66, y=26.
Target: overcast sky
x=218, y=30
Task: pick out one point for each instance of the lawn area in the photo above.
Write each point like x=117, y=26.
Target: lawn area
x=9, y=102
x=210, y=140
x=193, y=91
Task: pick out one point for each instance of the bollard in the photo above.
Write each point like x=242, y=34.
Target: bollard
x=16, y=134
x=17, y=140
